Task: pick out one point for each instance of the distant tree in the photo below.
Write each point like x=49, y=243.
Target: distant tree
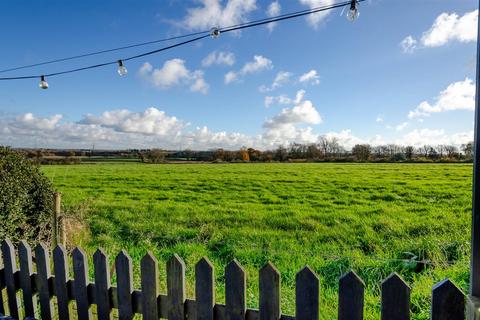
x=409, y=152
x=313, y=152
x=254, y=154
x=219, y=154
x=424, y=150
x=433, y=154
x=451, y=151
x=244, y=154
x=467, y=150
x=362, y=151
x=154, y=156
x=281, y=154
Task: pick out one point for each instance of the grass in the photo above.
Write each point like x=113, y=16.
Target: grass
x=334, y=217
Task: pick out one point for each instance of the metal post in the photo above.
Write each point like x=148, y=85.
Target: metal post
x=57, y=211
x=475, y=257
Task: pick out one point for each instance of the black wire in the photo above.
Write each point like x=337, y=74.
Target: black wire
x=223, y=30
x=102, y=51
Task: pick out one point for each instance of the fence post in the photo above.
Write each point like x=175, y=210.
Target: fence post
x=473, y=304
x=57, y=209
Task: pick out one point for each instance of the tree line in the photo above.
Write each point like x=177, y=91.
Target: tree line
x=330, y=149
x=326, y=149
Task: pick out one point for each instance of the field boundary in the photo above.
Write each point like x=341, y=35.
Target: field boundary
x=40, y=286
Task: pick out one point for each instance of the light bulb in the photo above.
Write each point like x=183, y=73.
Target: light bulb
x=353, y=13
x=43, y=84
x=215, y=32
x=121, y=68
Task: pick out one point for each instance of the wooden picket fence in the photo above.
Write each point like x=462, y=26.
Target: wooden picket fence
x=39, y=286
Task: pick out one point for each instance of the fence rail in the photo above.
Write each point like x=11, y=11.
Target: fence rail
x=40, y=286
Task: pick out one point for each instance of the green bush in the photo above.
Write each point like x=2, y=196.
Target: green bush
x=26, y=197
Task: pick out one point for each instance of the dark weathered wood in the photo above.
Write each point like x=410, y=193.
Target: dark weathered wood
x=80, y=273
x=204, y=289
x=60, y=268
x=176, y=288
x=42, y=259
x=307, y=291
x=269, y=285
x=149, y=280
x=10, y=267
x=102, y=285
x=123, y=266
x=395, y=298
x=26, y=271
x=235, y=291
x=448, y=302
x=350, y=297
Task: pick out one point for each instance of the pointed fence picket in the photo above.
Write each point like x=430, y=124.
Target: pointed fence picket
x=36, y=283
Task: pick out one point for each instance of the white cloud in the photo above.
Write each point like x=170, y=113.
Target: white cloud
x=316, y=19
x=445, y=29
x=28, y=121
x=213, y=13
x=282, y=128
x=310, y=77
x=153, y=128
x=273, y=10
x=219, y=58
x=151, y=121
x=457, y=96
x=174, y=73
x=259, y=63
x=230, y=77
x=450, y=27
x=420, y=137
x=379, y=119
x=409, y=44
x=401, y=126
x=283, y=99
x=281, y=78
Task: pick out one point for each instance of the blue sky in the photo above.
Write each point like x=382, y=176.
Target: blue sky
x=402, y=73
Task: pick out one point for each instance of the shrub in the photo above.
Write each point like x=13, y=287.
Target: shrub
x=26, y=197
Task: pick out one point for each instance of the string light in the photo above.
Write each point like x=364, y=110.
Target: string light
x=353, y=13
x=214, y=33
x=43, y=84
x=121, y=68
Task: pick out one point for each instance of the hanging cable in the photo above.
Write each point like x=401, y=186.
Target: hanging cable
x=215, y=32
x=102, y=51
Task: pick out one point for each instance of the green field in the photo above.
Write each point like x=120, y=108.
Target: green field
x=372, y=218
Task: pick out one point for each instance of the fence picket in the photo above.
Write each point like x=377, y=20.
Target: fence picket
x=80, y=273
x=123, y=265
x=10, y=267
x=235, y=291
x=307, y=292
x=350, y=297
x=60, y=268
x=176, y=288
x=42, y=259
x=448, y=302
x=26, y=271
x=102, y=285
x=205, y=289
x=269, y=285
x=149, y=278
x=395, y=298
